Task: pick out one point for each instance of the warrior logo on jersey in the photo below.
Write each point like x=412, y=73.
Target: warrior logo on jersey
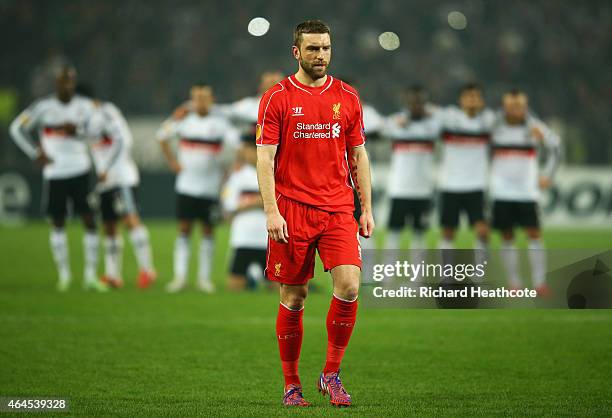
x=257, y=132
x=336, y=110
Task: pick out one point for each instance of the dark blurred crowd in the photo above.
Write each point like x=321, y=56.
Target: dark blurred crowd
x=144, y=55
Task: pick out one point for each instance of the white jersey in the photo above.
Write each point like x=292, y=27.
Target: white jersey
x=243, y=114
x=514, y=169
x=411, y=175
x=201, y=142
x=248, y=228
x=69, y=154
x=111, y=152
x=373, y=122
x=465, y=149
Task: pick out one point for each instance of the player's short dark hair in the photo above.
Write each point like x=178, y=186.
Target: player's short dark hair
x=471, y=86
x=416, y=88
x=85, y=89
x=309, y=26
x=201, y=84
x=515, y=91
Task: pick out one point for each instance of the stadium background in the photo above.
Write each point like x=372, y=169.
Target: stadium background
x=160, y=354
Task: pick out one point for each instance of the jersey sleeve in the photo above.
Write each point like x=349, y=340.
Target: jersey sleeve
x=355, y=132
x=552, y=143
x=269, y=120
x=231, y=135
x=22, y=127
x=230, y=194
x=168, y=130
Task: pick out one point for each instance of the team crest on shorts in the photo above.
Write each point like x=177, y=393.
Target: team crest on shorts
x=336, y=110
x=277, y=269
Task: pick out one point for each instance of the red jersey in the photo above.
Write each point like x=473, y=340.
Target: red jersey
x=313, y=127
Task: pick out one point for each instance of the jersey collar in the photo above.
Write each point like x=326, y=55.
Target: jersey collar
x=312, y=90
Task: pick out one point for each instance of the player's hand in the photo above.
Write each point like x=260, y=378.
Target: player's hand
x=175, y=166
x=544, y=182
x=69, y=128
x=102, y=176
x=277, y=228
x=366, y=224
x=42, y=159
x=537, y=133
x=180, y=112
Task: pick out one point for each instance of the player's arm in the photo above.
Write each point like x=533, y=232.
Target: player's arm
x=360, y=165
x=552, y=143
x=164, y=135
x=21, y=132
x=277, y=227
x=360, y=173
x=267, y=138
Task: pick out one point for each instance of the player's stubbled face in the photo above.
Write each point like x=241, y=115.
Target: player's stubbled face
x=416, y=104
x=471, y=101
x=202, y=99
x=315, y=54
x=515, y=107
x=65, y=83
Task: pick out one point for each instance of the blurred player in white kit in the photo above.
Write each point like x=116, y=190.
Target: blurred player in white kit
x=204, y=140
x=243, y=113
x=414, y=133
x=117, y=190
x=248, y=234
x=466, y=136
x=63, y=123
x=516, y=181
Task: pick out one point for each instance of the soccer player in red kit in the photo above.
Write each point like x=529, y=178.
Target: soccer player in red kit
x=310, y=141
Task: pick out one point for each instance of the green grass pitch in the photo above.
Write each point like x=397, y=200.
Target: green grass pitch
x=153, y=354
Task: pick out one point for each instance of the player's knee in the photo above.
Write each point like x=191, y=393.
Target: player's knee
x=348, y=291
x=58, y=222
x=89, y=221
x=482, y=230
x=448, y=233
x=184, y=227
x=110, y=228
x=533, y=233
x=293, y=297
x=131, y=221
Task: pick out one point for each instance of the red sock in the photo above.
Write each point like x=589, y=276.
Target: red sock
x=289, y=331
x=340, y=323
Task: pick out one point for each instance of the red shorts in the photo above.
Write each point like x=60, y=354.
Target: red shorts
x=335, y=235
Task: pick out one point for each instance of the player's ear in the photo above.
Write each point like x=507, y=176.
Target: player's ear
x=296, y=52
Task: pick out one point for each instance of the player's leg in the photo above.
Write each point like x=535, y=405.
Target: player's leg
x=186, y=213
x=474, y=205
x=113, y=241
x=419, y=209
x=236, y=279
x=55, y=197
x=79, y=193
x=292, y=265
x=503, y=221
x=289, y=329
x=207, y=245
x=530, y=220
x=339, y=250
x=139, y=237
x=449, y=219
x=397, y=221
